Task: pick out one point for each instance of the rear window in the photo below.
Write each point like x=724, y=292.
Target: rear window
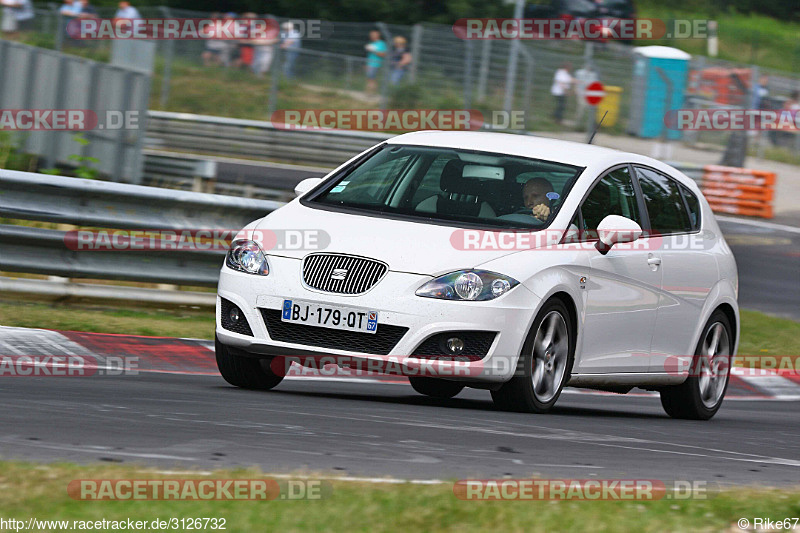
x=664, y=202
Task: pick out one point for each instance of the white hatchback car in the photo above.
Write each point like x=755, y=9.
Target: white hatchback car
x=532, y=263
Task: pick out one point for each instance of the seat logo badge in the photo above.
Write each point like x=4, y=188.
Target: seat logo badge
x=582, y=281
x=339, y=273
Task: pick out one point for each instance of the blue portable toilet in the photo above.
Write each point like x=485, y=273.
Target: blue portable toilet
x=649, y=91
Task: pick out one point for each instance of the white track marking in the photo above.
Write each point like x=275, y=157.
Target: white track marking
x=759, y=224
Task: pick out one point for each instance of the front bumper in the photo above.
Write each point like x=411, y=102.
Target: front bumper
x=393, y=297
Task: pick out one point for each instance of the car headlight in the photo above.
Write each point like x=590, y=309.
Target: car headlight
x=468, y=285
x=246, y=256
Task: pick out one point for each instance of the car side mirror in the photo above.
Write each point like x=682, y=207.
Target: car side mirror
x=615, y=229
x=306, y=185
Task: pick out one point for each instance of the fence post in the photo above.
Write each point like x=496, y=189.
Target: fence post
x=468, y=74
x=416, y=48
x=528, y=86
x=483, y=73
x=60, y=29
x=168, y=58
x=275, y=75
x=511, y=72
x=386, y=69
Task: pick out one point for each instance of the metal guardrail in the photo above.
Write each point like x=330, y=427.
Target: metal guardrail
x=99, y=204
x=254, y=139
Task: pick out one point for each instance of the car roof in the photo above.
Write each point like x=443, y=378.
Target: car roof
x=568, y=152
x=594, y=158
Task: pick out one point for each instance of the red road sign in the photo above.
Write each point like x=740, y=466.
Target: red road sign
x=595, y=93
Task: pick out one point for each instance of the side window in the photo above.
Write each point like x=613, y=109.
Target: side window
x=694, y=207
x=664, y=203
x=612, y=195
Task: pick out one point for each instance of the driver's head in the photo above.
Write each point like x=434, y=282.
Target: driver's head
x=535, y=192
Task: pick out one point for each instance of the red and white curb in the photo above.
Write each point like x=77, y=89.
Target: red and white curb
x=196, y=357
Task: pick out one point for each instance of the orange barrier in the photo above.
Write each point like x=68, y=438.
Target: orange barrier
x=739, y=191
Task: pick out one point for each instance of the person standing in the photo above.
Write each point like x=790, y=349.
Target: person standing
x=17, y=15
x=562, y=81
x=127, y=11
x=401, y=60
x=290, y=44
x=376, y=51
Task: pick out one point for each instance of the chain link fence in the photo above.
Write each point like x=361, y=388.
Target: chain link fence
x=446, y=73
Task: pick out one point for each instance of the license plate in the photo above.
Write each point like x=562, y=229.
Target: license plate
x=329, y=316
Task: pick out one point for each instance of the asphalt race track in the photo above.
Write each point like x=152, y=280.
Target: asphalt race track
x=769, y=266
x=377, y=430
x=366, y=429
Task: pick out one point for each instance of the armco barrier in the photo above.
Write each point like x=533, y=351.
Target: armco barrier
x=100, y=204
x=739, y=191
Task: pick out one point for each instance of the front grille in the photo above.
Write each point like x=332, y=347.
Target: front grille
x=476, y=346
x=379, y=343
x=241, y=326
x=359, y=273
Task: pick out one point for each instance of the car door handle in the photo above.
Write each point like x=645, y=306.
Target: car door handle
x=654, y=261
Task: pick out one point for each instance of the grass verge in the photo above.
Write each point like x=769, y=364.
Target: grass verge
x=40, y=491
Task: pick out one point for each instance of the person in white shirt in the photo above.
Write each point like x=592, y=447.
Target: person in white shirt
x=127, y=11
x=70, y=8
x=17, y=14
x=562, y=82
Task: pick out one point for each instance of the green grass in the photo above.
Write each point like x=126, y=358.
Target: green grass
x=756, y=39
x=158, y=323
x=29, y=490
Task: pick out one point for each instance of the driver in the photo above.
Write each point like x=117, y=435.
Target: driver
x=535, y=194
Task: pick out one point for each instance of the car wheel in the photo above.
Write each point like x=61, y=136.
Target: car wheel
x=544, y=364
x=700, y=396
x=435, y=387
x=245, y=372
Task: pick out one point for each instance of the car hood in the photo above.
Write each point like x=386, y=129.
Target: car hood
x=414, y=247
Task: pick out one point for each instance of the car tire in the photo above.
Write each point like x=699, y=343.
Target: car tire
x=435, y=387
x=544, y=365
x=245, y=372
x=701, y=395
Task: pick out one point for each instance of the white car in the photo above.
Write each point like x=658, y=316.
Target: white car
x=530, y=263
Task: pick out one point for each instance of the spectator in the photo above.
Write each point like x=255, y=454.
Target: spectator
x=291, y=44
x=583, y=78
x=215, y=48
x=70, y=8
x=263, y=51
x=127, y=11
x=246, y=49
x=761, y=93
x=401, y=59
x=88, y=11
x=562, y=81
x=376, y=51
x=17, y=16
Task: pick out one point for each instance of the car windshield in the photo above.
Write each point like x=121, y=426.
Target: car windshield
x=451, y=185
